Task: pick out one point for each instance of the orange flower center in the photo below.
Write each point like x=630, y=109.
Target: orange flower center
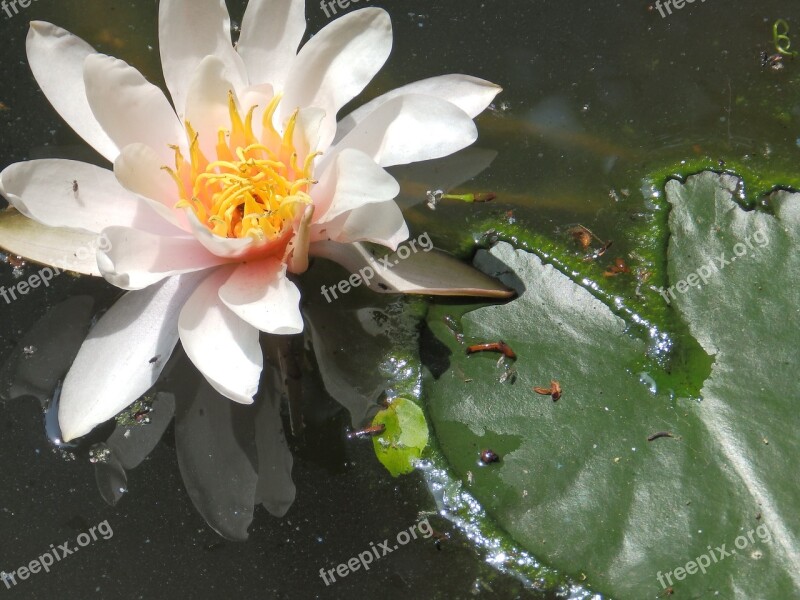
x=255, y=187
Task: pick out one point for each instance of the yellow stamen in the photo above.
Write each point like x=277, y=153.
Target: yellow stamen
x=253, y=187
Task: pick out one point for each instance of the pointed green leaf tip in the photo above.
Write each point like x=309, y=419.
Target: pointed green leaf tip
x=401, y=444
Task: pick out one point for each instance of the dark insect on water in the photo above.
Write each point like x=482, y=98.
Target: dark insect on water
x=489, y=456
x=367, y=432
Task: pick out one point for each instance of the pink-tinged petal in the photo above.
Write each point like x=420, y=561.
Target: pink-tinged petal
x=307, y=132
x=224, y=247
x=207, y=105
x=136, y=259
x=336, y=64
x=380, y=223
x=223, y=347
x=271, y=33
x=129, y=108
x=352, y=181
x=426, y=271
x=45, y=191
x=56, y=59
x=260, y=293
x=410, y=128
x=470, y=94
x=260, y=97
x=139, y=170
x=65, y=249
x=188, y=31
x=123, y=355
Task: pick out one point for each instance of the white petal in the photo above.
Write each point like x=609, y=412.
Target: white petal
x=66, y=249
x=470, y=94
x=225, y=247
x=222, y=346
x=207, y=104
x=306, y=139
x=138, y=170
x=137, y=259
x=352, y=181
x=115, y=364
x=44, y=191
x=408, y=129
x=381, y=223
x=188, y=31
x=129, y=108
x=260, y=293
x=336, y=64
x=427, y=272
x=56, y=58
x=271, y=33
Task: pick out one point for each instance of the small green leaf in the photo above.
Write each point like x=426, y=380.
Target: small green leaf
x=405, y=437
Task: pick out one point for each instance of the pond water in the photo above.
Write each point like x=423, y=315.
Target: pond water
x=601, y=102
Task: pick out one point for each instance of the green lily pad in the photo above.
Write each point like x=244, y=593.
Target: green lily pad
x=405, y=436
x=579, y=483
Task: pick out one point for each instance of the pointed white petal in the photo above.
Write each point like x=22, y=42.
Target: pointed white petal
x=220, y=246
x=430, y=272
x=470, y=94
x=137, y=259
x=260, y=293
x=352, y=181
x=188, y=31
x=336, y=64
x=44, y=190
x=114, y=366
x=129, y=108
x=381, y=223
x=222, y=346
x=271, y=32
x=408, y=129
x=207, y=104
x=139, y=170
x=66, y=249
x=56, y=58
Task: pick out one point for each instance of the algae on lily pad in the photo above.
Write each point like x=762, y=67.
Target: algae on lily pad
x=584, y=483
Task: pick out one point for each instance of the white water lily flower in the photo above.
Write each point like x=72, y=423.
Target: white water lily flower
x=215, y=197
